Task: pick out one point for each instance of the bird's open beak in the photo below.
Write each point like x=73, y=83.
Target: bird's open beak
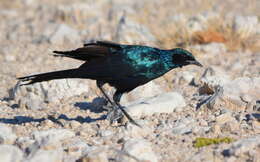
x=195, y=62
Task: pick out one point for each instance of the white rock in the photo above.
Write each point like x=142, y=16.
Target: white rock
x=24, y=142
x=65, y=33
x=6, y=134
x=187, y=76
x=244, y=145
x=164, y=103
x=105, y=133
x=33, y=101
x=194, y=25
x=135, y=131
x=236, y=93
x=245, y=26
x=96, y=155
x=9, y=153
x=133, y=32
x=224, y=118
x=148, y=90
x=183, y=126
x=242, y=88
x=78, y=147
x=34, y=96
x=215, y=80
x=52, y=136
x=139, y=149
x=47, y=155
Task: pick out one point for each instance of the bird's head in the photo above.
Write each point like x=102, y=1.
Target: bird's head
x=182, y=57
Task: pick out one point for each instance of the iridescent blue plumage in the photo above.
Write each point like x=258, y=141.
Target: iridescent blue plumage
x=124, y=67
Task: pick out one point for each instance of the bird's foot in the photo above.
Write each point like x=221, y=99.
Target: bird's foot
x=108, y=108
x=114, y=115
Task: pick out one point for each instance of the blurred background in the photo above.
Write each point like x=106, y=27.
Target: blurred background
x=224, y=35
x=31, y=29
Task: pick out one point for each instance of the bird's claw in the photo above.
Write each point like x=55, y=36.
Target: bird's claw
x=114, y=115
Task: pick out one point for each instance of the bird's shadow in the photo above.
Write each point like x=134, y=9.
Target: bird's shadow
x=95, y=106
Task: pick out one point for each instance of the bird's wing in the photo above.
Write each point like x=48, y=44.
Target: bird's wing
x=106, y=68
x=104, y=43
x=91, y=51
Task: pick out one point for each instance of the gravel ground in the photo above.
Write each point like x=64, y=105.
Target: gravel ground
x=65, y=120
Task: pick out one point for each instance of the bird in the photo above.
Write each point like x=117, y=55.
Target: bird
x=124, y=67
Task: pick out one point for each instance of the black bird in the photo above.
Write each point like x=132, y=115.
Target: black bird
x=124, y=67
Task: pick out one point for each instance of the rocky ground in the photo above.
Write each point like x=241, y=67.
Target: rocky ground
x=65, y=120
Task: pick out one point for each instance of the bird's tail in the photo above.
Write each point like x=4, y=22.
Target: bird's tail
x=71, y=73
x=72, y=54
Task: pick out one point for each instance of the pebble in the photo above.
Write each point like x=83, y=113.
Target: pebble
x=137, y=132
x=52, y=136
x=245, y=25
x=150, y=89
x=138, y=149
x=242, y=88
x=97, y=155
x=10, y=153
x=47, y=156
x=224, y=118
x=164, y=103
x=6, y=135
x=244, y=146
x=63, y=34
x=34, y=96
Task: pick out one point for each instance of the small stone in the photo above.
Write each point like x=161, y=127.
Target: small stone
x=97, y=155
x=10, y=57
x=184, y=126
x=33, y=102
x=77, y=147
x=224, y=118
x=48, y=123
x=34, y=96
x=6, y=134
x=164, y=103
x=245, y=25
x=257, y=106
x=52, y=136
x=9, y=153
x=256, y=126
x=65, y=33
x=244, y=146
x=242, y=88
x=105, y=133
x=150, y=89
x=216, y=129
x=131, y=31
x=187, y=76
x=24, y=142
x=47, y=156
x=138, y=149
x=74, y=124
x=137, y=132
x=231, y=126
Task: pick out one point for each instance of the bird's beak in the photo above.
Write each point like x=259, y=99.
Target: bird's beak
x=195, y=62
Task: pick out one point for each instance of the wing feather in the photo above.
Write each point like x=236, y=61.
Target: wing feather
x=90, y=51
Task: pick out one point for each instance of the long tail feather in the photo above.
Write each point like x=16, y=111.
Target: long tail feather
x=71, y=73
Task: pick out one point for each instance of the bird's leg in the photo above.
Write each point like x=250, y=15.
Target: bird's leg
x=117, y=96
x=113, y=114
x=100, y=86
